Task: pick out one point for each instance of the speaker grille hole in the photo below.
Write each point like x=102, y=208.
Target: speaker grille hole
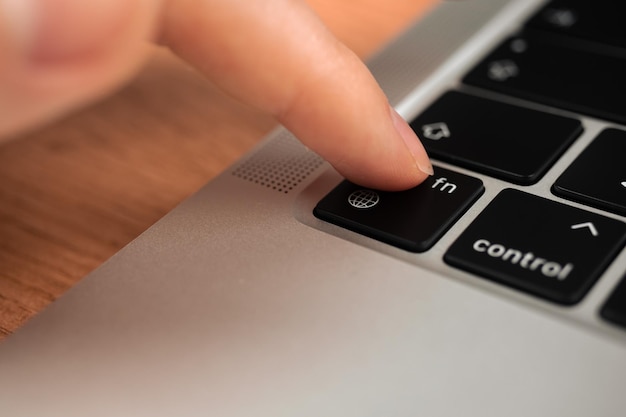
x=282, y=164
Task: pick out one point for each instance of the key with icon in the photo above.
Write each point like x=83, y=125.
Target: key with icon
x=413, y=220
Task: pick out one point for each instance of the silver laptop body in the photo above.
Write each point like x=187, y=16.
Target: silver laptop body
x=241, y=303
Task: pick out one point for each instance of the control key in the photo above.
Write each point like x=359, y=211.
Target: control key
x=539, y=246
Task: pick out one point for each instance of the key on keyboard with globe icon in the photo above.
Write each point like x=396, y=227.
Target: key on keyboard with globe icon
x=412, y=220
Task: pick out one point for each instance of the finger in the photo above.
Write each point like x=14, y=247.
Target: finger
x=276, y=55
x=57, y=54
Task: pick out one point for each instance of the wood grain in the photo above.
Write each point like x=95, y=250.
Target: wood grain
x=75, y=192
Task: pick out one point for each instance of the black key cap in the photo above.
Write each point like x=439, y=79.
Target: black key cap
x=413, y=220
x=540, y=246
x=507, y=142
x=582, y=81
x=600, y=21
x=614, y=310
x=598, y=176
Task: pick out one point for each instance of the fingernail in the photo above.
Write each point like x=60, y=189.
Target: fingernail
x=18, y=19
x=60, y=30
x=49, y=31
x=412, y=143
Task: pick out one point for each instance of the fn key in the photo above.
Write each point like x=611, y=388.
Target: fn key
x=412, y=220
x=539, y=246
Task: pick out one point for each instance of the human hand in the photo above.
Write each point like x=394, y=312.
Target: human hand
x=274, y=54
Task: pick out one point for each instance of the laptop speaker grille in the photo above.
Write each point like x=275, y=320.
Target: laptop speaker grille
x=281, y=164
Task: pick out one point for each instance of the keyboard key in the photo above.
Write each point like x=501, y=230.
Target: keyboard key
x=412, y=220
x=583, y=81
x=539, y=246
x=615, y=308
x=598, y=176
x=597, y=21
x=507, y=142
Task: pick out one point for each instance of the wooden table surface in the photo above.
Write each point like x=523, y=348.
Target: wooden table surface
x=77, y=191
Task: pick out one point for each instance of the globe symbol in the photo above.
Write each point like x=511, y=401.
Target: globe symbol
x=363, y=199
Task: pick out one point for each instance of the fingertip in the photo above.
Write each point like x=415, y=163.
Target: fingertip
x=387, y=176
x=376, y=149
x=396, y=183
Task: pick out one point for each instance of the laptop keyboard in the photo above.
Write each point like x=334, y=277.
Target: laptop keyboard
x=570, y=56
